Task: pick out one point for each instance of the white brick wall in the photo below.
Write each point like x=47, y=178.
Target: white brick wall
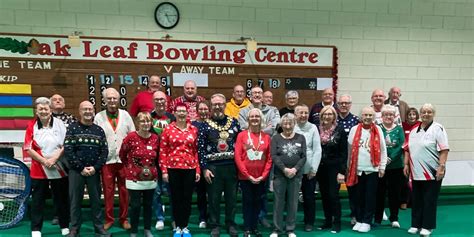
x=424, y=47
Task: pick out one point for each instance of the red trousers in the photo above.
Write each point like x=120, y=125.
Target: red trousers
x=114, y=174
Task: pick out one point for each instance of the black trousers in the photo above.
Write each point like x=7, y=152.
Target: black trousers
x=251, y=202
x=39, y=191
x=390, y=183
x=138, y=199
x=351, y=196
x=329, y=188
x=365, y=196
x=202, y=198
x=424, y=203
x=77, y=182
x=405, y=193
x=181, y=187
x=308, y=186
x=225, y=180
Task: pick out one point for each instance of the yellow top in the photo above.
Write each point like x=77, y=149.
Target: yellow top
x=232, y=109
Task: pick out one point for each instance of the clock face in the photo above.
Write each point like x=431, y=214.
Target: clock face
x=167, y=15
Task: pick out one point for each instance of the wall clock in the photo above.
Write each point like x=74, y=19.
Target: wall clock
x=166, y=15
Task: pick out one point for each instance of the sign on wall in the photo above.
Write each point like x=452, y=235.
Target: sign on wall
x=81, y=73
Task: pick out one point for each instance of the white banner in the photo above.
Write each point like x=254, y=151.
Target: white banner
x=154, y=51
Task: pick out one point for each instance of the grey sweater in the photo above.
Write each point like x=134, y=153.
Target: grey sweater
x=288, y=153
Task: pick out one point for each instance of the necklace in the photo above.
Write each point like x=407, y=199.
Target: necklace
x=287, y=137
x=255, y=150
x=222, y=145
x=223, y=134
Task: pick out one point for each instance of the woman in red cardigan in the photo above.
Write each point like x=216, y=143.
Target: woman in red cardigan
x=253, y=160
x=138, y=153
x=180, y=166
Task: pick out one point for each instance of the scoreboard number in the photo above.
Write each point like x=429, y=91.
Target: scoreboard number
x=261, y=83
x=165, y=82
x=123, y=96
x=143, y=80
x=91, y=88
x=249, y=85
x=106, y=79
x=274, y=83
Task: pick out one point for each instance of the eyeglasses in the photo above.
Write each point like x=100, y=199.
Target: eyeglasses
x=218, y=105
x=344, y=103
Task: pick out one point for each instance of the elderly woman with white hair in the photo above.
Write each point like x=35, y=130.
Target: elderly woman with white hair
x=291, y=100
x=367, y=158
x=288, y=150
x=254, y=162
x=44, y=140
x=310, y=169
x=425, y=161
x=393, y=179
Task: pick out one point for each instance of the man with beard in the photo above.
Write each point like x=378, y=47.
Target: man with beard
x=85, y=148
x=216, y=141
x=116, y=124
x=190, y=98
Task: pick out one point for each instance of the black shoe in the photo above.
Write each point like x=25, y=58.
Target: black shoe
x=264, y=222
x=73, y=233
x=257, y=233
x=215, y=232
x=325, y=226
x=55, y=221
x=308, y=228
x=232, y=231
x=336, y=228
x=247, y=233
x=102, y=233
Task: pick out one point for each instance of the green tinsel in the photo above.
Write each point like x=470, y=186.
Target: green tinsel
x=14, y=45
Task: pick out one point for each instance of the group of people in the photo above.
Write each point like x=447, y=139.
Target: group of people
x=217, y=146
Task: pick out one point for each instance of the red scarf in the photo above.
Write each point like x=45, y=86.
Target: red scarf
x=374, y=152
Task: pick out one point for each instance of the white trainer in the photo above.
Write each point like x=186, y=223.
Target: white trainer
x=160, y=225
x=395, y=224
x=274, y=234
x=64, y=231
x=35, y=233
x=291, y=234
x=413, y=230
x=356, y=227
x=384, y=217
x=202, y=225
x=425, y=232
x=364, y=228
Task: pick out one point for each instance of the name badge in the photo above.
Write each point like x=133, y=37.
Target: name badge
x=298, y=144
x=231, y=131
x=149, y=148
